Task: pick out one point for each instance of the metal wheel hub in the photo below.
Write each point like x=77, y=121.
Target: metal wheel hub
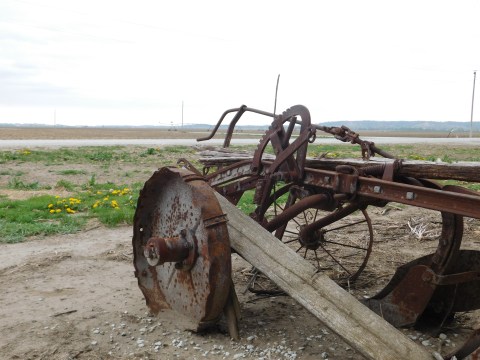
x=311, y=240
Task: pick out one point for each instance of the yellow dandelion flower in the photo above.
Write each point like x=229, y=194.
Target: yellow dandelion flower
x=70, y=211
x=58, y=210
x=99, y=192
x=114, y=204
x=52, y=211
x=50, y=206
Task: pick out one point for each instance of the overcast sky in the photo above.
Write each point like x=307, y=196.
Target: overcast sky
x=134, y=62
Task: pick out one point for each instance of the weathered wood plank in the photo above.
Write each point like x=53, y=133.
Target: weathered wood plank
x=342, y=313
x=462, y=171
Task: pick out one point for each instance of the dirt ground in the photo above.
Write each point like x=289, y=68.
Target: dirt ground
x=75, y=297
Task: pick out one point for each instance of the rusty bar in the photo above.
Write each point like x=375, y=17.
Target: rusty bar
x=242, y=109
x=371, y=188
x=460, y=204
x=294, y=210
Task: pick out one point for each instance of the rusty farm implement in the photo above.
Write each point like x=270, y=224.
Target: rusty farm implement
x=186, y=224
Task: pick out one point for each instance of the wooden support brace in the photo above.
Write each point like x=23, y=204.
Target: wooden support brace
x=364, y=330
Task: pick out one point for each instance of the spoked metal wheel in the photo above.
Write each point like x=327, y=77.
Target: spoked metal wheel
x=336, y=241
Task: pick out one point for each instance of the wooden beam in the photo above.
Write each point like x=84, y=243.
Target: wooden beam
x=365, y=331
x=462, y=171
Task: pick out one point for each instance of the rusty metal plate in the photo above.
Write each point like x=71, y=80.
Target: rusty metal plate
x=178, y=207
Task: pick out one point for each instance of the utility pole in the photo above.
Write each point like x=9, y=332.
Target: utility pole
x=473, y=98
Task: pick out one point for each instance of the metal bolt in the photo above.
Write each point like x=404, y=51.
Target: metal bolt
x=410, y=195
x=377, y=189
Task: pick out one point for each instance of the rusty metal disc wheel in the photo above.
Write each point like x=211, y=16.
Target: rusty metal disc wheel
x=181, y=247
x=341, y=248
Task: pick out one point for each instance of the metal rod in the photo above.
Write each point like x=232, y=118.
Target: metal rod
x=276, y=93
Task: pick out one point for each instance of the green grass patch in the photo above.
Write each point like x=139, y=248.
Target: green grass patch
x=20, y=219
x=465, y=184
x=150, y=152
x=180, y=149
x=17, y=184
x=247, y=205
x=65, y=184
x=71, y=172
x=111, y=204
x=96, y=154
x=246, y=202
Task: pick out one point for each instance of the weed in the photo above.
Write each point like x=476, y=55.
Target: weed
x=101, y=156
x=17, y=184
x=179, y=149
x=71, y=172
x=92, y=182
x=447, y=159
x=149, y=151
x=65, y=184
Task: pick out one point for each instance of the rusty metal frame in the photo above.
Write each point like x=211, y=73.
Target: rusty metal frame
x=347, y=189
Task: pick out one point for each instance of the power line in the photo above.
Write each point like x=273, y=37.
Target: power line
x=473, y=99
